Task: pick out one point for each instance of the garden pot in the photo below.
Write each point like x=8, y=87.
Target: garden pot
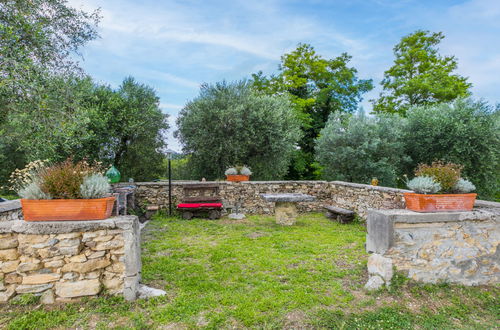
x=67, y=209
x=439, y=203
x=237, y=177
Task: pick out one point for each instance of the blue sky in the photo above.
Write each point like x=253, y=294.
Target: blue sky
x=174, y=46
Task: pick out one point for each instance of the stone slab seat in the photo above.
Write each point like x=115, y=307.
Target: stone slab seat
x=285, y=210
x=339, y=214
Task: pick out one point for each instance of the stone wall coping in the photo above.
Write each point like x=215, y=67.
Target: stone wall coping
x=179, y=183
x=290, y=198
x=407, y=216
x=10, y=205
x=59, y=227
x=369, y=186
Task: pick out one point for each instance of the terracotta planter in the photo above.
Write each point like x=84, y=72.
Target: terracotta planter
x=439, y=203
x=67, y=209
x=238, y=178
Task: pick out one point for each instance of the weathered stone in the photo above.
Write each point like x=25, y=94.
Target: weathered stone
x=9, y=292
x=93, y=275
x=69, y=242
x=32, y=239
x=47, y=297
x=2, y=286
x=103, y=238
x=145, y=292
x=113, y=283
x=68, y=235
x=90, y=235
x=114, y=244
x=70, y=276
x=78, y=289
x=12, y=278
x=33, y=288
x=375, y=282
x=9, y=254
x=8, y=266
x=40, y=278
x=98, y=254
x=236, y=216
x=70, y=250
x=28, y=266
x=117, y=267
x=54, y=264
x=379, y=265
x=78, y=258
x=285, y=213
x=85, y=267
x=8, y=243
x=48, y=243
x=287, y=198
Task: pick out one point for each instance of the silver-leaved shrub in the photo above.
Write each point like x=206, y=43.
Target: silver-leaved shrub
x=464, y=186
x=94, y=186
x=424, y=185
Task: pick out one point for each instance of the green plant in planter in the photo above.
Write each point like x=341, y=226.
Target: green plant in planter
x=94, y=186
x=446, y=174
x=239, y=169
x=231, y=171
x=424, y=185
x=440, y=177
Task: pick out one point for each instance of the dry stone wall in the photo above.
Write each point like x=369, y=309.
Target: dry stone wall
x=10, y=210
x=64, y=261
x=352, y=196
x=456, y=247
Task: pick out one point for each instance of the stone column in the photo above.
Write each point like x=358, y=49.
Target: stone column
x=285, y=213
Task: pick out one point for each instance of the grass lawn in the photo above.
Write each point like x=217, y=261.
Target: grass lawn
x=255, y=274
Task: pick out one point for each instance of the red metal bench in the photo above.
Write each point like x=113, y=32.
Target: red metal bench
x=206, y=200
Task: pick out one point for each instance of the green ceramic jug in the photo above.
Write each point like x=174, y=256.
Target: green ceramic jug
x=113, y=175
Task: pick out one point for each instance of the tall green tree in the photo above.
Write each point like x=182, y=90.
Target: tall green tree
x=317, y=87
x=420, y=75
x=37, y=39
x=357, y=148
x=464, y=132
x=231, y=124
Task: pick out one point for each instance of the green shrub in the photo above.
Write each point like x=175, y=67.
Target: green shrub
x=424, y=185
x=446, y=174
x=95, y=186
x=463, y=132
x=357, y=148
x=230, y=123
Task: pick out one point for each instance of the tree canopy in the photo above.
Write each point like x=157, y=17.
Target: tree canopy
x=317, y=87
x=420, y=75
x=230, y=124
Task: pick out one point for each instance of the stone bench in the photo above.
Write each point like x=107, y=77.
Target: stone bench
x=286, y=206
x=339, y=214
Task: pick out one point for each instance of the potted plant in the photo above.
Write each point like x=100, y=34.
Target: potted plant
x=64, y=191
x=238, y=173
x=439, y=188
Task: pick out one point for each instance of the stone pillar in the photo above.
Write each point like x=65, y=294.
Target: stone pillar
x=286, y=213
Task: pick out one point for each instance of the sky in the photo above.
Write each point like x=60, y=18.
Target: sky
x=175, y=46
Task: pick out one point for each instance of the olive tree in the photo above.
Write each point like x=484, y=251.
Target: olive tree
x=465, y=132
x=357, y=148
x=230, y=123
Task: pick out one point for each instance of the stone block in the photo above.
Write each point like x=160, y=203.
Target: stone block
x=8, y=243
x=381, y=266
x=78, y=289
x=28, y=266
x=33, y=288
x=9, y=292
x=374, y=283
x=8, y=266
x=8, y=254
x=40, y=278
x=85, y=267
x=47, y=297
x=285, y=213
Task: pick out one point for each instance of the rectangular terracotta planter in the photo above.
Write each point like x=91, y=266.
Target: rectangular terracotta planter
x=439, y=203
x=67, y=209
x=237, y=178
